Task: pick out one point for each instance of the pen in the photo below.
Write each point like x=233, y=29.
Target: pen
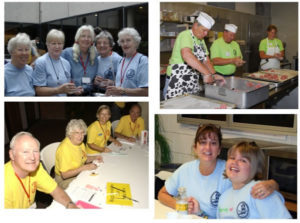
x=92, y=197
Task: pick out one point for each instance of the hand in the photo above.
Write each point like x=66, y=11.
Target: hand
x=113, y=90
x=193, y=205
x=220, y=78
x=262, y=189
x=131, y=139
x=278, y=56
x=117, y=143
x=238, y=62
x=99, y=158
x=98, y=79
x=90, y=166
x=79, y=90
x=73, y=206
x=67, y=88
x=107, y=150
x=208, y=78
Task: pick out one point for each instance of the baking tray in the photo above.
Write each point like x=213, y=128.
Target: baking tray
x=240, y=91
x=276, y=77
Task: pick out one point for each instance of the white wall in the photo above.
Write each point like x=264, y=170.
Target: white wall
x=29, y=11
x=285, y=17
x=181, y=136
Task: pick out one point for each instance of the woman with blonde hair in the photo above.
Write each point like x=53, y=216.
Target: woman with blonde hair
x=82, y=57
x=99, y=132
x=52, y=73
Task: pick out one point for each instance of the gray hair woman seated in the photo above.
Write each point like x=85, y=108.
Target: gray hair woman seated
x=71, y=158
x=18, y=75
x=132, y=74
x=52, y=73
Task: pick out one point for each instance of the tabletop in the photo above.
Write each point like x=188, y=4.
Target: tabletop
x=121, y=181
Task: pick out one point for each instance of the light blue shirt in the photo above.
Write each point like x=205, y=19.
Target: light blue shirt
x=205, y=189
x=239, y=204
x=51, y=73
x=18, y=82
x=135, y=73
x=108, y=66
x=77, y=71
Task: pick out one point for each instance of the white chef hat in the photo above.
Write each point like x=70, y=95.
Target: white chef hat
x=205, y=20
x=231, y=28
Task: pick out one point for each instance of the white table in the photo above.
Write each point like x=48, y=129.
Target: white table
x=131, y=167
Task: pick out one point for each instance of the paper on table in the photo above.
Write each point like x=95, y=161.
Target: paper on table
x=118, y=194
x=124, y=141
x=86, y=205
x=85, y=193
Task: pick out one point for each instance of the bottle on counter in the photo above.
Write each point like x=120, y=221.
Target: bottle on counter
x=181, y=201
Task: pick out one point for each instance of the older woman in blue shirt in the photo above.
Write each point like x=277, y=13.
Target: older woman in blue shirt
x=132, y=74
x=18, y=75
x=52, y=73
x=82, y=57
x=108, y=60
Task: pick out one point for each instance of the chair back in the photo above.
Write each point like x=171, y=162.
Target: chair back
x=48, y=156
x=114, y=124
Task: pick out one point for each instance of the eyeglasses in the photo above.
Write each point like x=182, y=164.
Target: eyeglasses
x=78, y=133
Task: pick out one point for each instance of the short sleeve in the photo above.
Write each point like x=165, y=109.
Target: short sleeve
x=91, y=134
x=172, y=183
x=39, y=73
x=263, y=45
x=120, y=125
x=142, y=72
x=45, y=183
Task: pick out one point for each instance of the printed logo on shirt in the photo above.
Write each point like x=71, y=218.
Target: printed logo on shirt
x=214, y=198
x=108, y=74
x=225, y=210
x=33, y=186
x=242, y=210
x=130, y=74
x=100, y=134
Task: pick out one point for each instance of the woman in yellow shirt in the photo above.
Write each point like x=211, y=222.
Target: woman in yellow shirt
x=131, y=126
x=71, y=156
x=99, y=132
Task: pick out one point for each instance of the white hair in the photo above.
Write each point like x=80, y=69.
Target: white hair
x=132, y=32
x=20, y=39
x=20, y=134
x=75, y=124
x=105, y=34
x=76, y=48
x=55, y=34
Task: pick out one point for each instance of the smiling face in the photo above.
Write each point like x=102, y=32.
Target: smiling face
x=20, y=55
x=25, y=155
x=134, y=113
x=103, y=116
x=207, y=147
x=103, y=47
x=228, y=36
x=55, y=48
x=238, y=169
x=128, y=45
x=77, y=136
x=85, y=40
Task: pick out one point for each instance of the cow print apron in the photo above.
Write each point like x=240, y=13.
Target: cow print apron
x=184, y=79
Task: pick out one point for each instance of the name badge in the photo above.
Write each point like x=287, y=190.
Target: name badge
x=227, y=54
x=86, y=80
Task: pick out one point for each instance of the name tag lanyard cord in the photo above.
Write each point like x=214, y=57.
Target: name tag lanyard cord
x=123, y=73
x=57, y=76
x=84, y=65
x=27, y=193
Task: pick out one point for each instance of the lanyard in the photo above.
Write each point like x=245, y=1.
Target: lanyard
x=84, y=65
x=27, y=193
x=104, y=133
x=123, y=74
x=132, y=130
x=57, y=76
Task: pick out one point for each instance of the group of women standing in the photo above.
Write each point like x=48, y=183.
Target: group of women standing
x=74, y=156
x=77, y=70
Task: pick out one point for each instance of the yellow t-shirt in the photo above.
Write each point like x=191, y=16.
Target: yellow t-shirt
x=98, y=135
x=15, y=196
x=69, y=156
x=128, y=128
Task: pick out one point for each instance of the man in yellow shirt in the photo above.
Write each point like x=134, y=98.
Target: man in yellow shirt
x=24, y=175
x=131, y=126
